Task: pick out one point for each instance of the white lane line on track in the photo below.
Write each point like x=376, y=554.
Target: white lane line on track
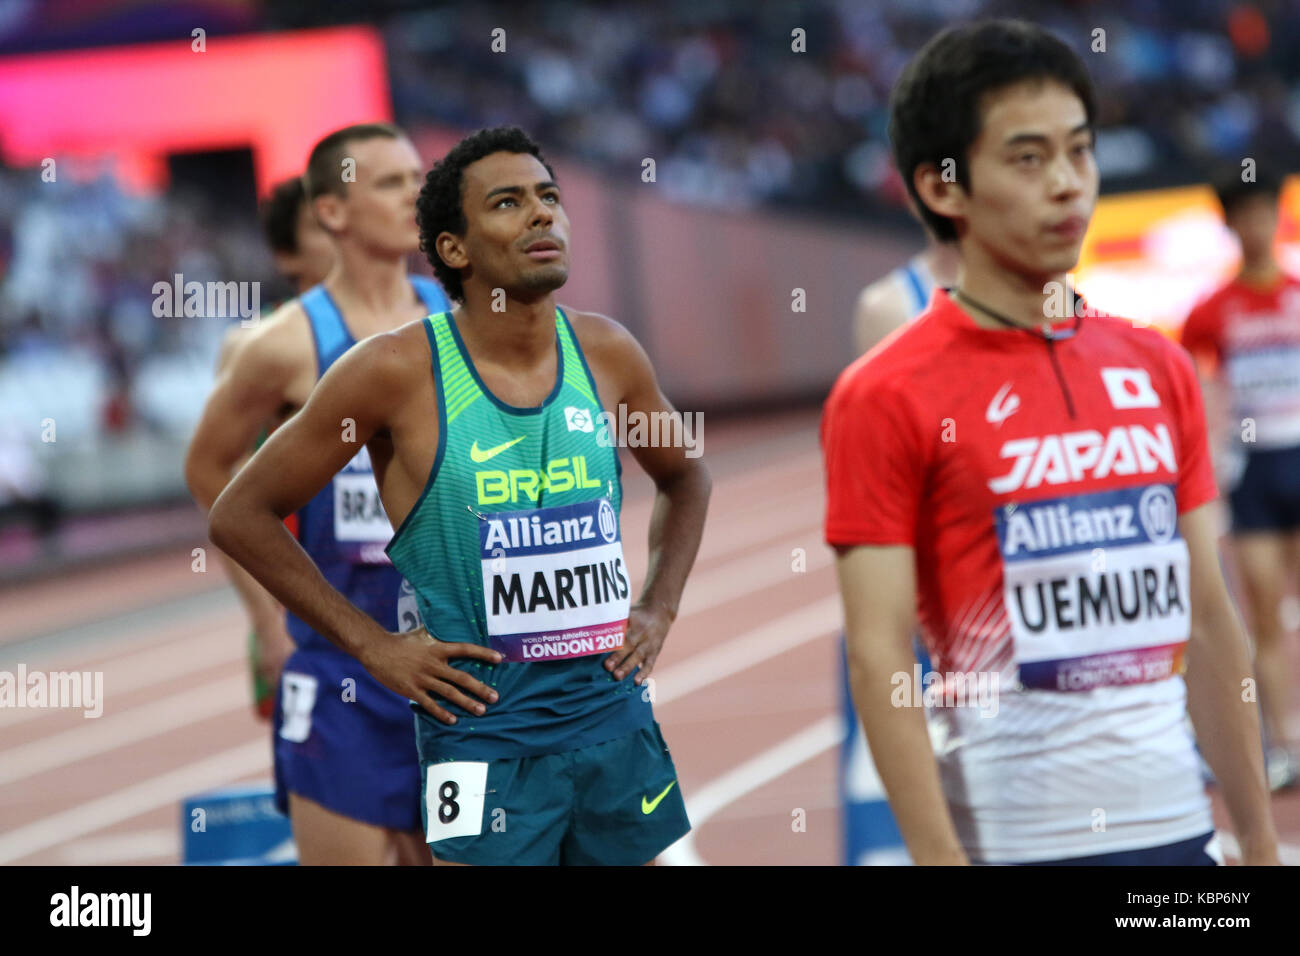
x=129, y=802
x=792, y=453
x=177, y=658
x=791, y=462
x=769, y=765
x=120, y=847
x=128, y=630
x=723, y=588
x=760, y=569
x=725, y=538
x=209, y=700
x=102, y=734
x=809, y=623
x=768, y=567
x=155, y=718
x=793, y=630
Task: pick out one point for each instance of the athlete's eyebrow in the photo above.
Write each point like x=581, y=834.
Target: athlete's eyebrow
x=519, y=190
x=1041, y=138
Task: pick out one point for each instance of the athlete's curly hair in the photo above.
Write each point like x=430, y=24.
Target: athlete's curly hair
x=440, y=209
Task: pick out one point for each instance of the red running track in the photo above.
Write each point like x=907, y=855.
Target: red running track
x=745, y=689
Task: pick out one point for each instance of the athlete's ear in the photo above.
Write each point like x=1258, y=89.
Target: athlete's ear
x=940, y=194
x=331, y=212
x=451, y=249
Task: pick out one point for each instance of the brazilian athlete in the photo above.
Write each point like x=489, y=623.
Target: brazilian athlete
x=537, y=742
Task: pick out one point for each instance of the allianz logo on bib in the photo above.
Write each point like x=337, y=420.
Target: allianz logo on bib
x=548, y=530
x=1097, y=579
x=1073, y=456
x=554, y=582
x=1125, y=516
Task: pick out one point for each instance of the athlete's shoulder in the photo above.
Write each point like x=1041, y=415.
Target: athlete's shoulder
x=1213, y=311
x=595, y=330
x=895, y=362
x=279, y=343
x=1169, y=364
x=397, y=354
x=1213, y=303
x=1142, y=336
x=881, y=307
x=606, y=343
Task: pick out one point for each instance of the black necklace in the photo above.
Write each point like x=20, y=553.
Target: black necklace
x=1047, y=332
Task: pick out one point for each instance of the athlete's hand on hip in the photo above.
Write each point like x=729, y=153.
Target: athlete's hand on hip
x=647, y=627
x=415, y=665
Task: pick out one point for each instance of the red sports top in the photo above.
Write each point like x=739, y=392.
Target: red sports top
x=1252, y=335
x=1040, y=495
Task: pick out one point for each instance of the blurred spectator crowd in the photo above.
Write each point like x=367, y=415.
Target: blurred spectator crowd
x=734, y=117
x=80, y=345
x=712, y=90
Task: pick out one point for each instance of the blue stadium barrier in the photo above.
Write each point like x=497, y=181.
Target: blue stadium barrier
x=871, y=836
x=236, y=826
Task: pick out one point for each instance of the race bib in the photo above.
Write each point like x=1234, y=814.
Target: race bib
x=1265, y=384
x=554, y=582
x=408, y=611
x=453, y=799
x=297, y=698
x=361, y=527
x=1096, y=588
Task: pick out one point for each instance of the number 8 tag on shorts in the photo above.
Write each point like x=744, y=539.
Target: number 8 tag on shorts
x=453, y=797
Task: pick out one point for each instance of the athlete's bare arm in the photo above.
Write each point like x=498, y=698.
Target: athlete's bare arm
x=274, y=364
x=260, y=371
x=1218, y=410
x=624, y=376
x=881, y=308
x=1214, y=393
x=878, y=586
x=367, y=396
x=1220, y=697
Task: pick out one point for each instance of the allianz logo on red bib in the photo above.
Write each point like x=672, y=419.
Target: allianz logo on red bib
x=1138, y=515
x=1067, y=457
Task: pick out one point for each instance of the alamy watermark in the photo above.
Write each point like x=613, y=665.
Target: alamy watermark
x=129, y=910
x=1061, y=300
x=53, y=690
x=958, y=689
x=639, y=429
x=211, y=300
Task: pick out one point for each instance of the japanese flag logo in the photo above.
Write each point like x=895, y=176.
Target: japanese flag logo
x=1130, y=388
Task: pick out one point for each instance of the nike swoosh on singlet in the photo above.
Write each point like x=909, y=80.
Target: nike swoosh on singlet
x=648, y=806
x=480, y=455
